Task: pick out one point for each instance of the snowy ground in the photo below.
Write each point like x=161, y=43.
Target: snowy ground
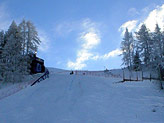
x=9, y=88
x=65, y=98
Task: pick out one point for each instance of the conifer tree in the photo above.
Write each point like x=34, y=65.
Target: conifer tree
x=1, y=41
x=162, y=43
x=144, y=44
x=23, y=32
x=25, y=60
x=16, y=45
x=157, y=46
x=136, y=62
x=127, y=49
x=33, y=40
x=1, y=50
x=132, y=48
x=12, y=54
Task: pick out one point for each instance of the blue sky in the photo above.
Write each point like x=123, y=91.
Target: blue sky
x=82, y=34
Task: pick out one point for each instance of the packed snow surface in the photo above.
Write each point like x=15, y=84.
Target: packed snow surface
x=65, y=98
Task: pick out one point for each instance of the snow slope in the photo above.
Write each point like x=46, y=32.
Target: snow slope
x=65, y=98
x=9, y=88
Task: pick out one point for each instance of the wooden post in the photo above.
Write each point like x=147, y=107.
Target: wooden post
x=160, y=78
x=137, y=75
x=161, y=82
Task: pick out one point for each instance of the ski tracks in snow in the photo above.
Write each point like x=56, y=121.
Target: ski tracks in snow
x=71, y=92
x=75, y=92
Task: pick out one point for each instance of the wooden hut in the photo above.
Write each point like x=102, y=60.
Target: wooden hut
x=37, y=65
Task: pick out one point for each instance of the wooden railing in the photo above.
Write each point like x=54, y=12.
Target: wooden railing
x=43, y=77
x=21, y=86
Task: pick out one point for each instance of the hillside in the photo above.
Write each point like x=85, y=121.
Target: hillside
x=65, y=98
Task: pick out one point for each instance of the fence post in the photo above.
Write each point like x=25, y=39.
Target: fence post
x=160, y=78
x=137, y=75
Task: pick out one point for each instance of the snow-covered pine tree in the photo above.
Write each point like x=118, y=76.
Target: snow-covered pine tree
x=16, y=45
x=11, y=54
x=157, y=46
x=132, y=47
x=136, y=62
x=25, y=60
x=23, y=32
x=162, y=43
x=144, y=44
x=32, y=38
x=127, y=49
x=1, y=50
x=1, y=38
x=1, y=41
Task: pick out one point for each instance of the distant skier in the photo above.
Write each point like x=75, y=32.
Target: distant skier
x=71, y=73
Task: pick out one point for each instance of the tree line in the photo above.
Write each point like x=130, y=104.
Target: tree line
x=16, y=45
x=143, y=48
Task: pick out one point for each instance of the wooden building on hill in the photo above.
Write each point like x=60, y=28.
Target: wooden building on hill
x=37, y=65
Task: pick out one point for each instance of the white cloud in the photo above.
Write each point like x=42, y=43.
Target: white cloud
x=66, y=27
x=90, y=38
x=75, y=65
x=88, y=25
x=131, y=25
x=106, y=56
x=82, y=56
x=154, y=17
x=44, y=46
x=112, y=54
x=96, y=57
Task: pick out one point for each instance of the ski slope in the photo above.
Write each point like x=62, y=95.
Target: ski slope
x=65, y=98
